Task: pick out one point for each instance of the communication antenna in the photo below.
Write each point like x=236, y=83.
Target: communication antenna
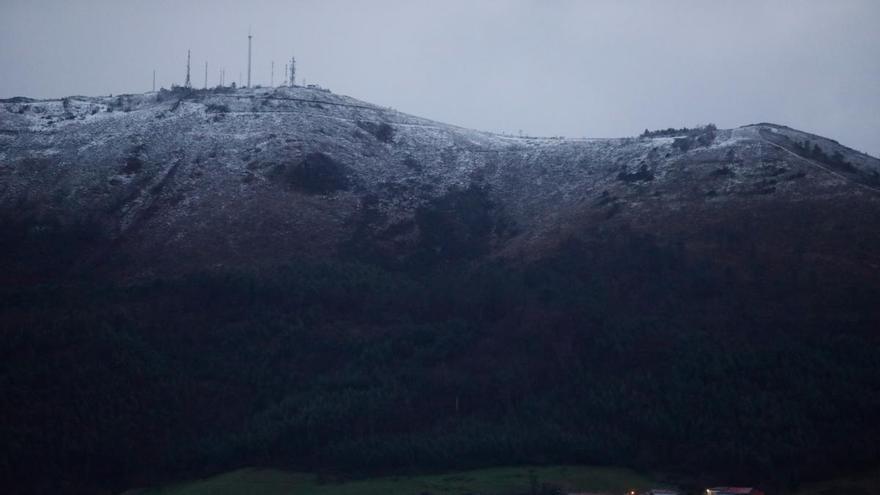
x=249, y=57
x=292, y=71
x=187, y=84
x=285, y=75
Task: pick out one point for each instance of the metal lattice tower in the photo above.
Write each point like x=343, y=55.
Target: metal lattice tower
x=249, y=58
x=292, y=71
x=187, y=84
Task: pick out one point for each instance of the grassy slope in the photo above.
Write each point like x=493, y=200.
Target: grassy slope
x=484, y=481
x=505, y=480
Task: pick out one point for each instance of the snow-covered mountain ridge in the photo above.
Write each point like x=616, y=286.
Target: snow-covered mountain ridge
x=180, y=180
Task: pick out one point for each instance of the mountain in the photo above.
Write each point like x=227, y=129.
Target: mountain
x=196, y=280
x=174, y=181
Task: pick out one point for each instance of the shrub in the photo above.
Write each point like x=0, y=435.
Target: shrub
x=815, y=152
x=642, y=174
x=687, y=131
x=383, y=131
x=317, y=173
x=216, y=108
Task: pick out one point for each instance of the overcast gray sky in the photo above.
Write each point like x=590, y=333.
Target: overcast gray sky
x=547, y=67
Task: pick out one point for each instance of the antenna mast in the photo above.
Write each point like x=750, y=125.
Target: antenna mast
x=292, y=71
x=187, y=84
x=249, y=57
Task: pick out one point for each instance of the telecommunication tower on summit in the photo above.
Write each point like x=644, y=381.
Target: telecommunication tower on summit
x=249, y=57
x=187, y=84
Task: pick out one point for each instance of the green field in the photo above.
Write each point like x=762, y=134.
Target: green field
x=495, y=481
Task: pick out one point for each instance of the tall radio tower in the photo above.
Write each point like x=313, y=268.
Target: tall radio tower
x=187, y=84
x=249, y=57
x=292, y=71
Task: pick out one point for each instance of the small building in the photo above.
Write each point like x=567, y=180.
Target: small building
x=319, y=88
x=733, y=490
